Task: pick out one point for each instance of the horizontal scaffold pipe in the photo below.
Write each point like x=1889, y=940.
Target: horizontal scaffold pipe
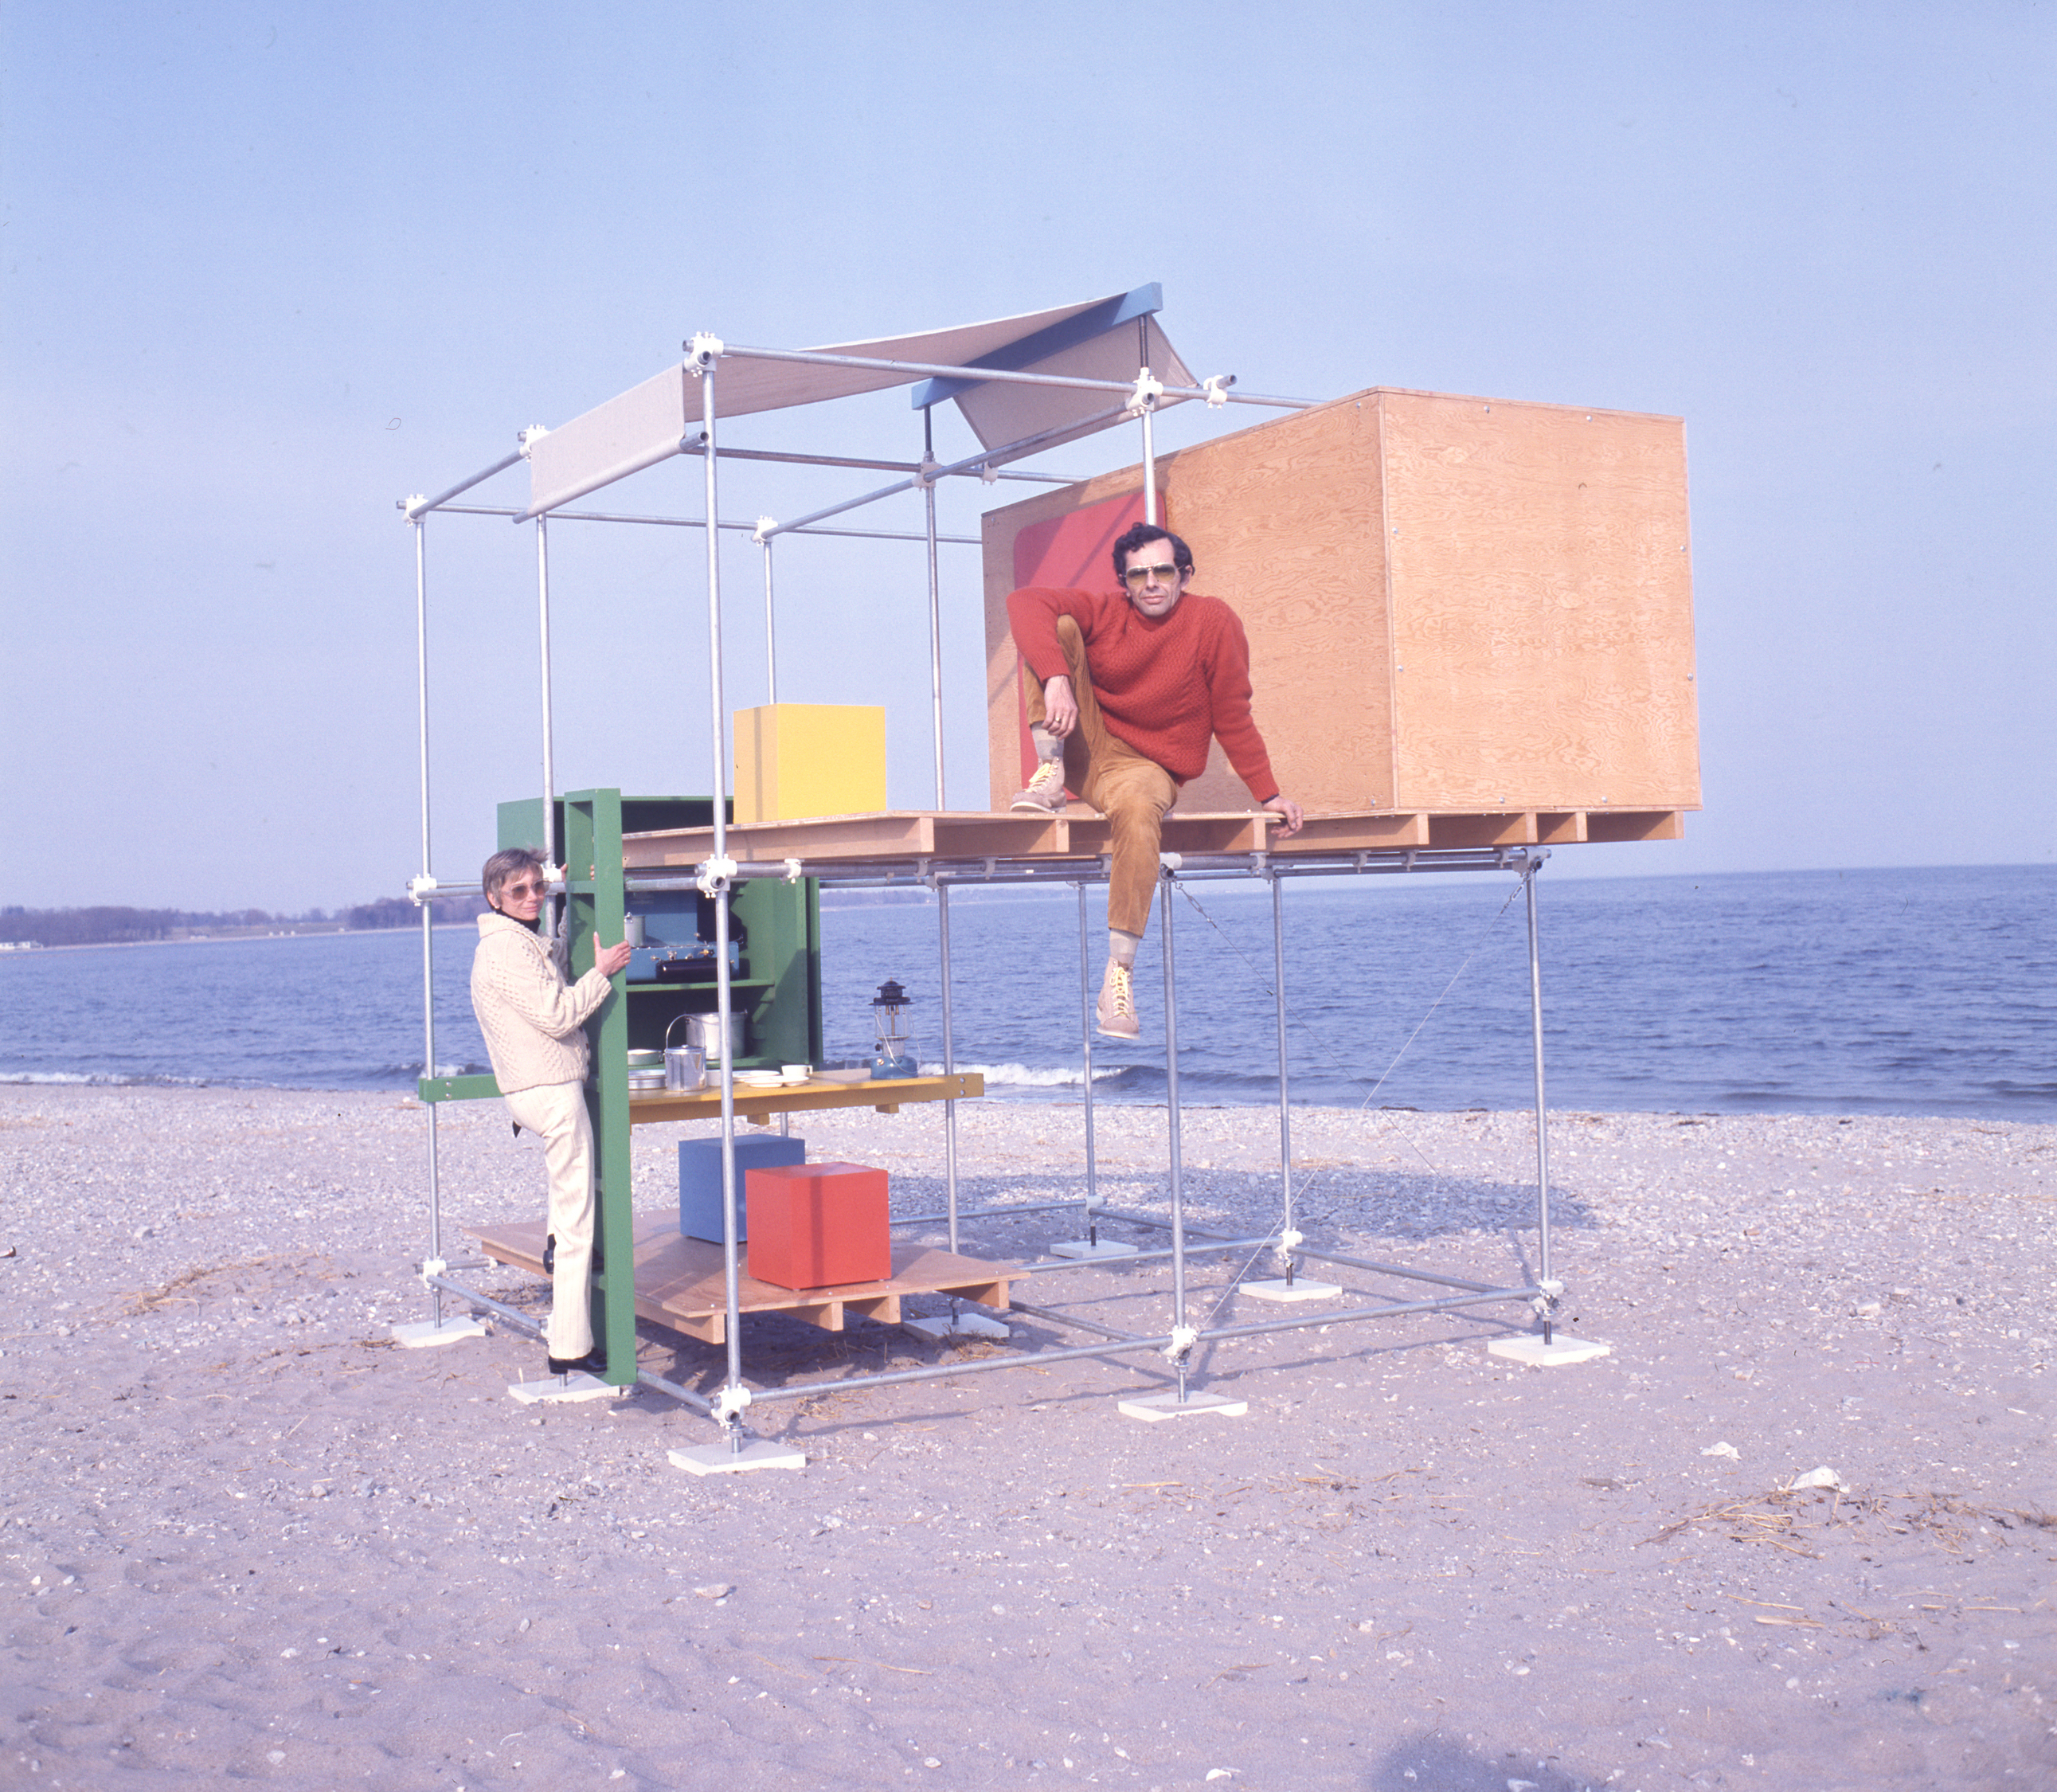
x=925, y=870
x=1031, y=1359
x=414, y=510
x=985, y=459
x=695, y=523
x=930, y=370
x=1215, y=1242
x=1135, y=1218
x=697, y=446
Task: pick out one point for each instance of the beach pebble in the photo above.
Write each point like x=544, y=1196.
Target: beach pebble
x=1816, y=1478
x=721, y=1589
x=1728, y=1450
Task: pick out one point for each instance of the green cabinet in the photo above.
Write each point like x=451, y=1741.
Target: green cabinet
x=777, y=986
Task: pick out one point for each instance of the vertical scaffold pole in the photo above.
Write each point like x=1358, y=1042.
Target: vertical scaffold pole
x=1542, y=1127
x=1172, y=1117
x=1149, y=434
x=1285, y=1098
x=949, y=1062
x=935, y=607
x=704, y=357
x=428, y=912
x=1086, y=1034
x=551, y=844
x=771, y=623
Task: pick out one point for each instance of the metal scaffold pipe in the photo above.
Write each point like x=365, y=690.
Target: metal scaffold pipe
x=428, y=912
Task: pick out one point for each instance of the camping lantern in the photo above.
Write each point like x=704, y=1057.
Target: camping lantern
x=894, y=1056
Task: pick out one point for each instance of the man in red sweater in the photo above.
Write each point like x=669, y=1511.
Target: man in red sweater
x=1129, y=688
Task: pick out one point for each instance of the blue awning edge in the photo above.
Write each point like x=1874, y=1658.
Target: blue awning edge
x=1017, y=357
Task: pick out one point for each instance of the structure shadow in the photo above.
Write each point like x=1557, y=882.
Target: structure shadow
x=1433, y=1763
x=1402, y=1205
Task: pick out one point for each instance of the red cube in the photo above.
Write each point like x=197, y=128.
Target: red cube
x=818, y=1225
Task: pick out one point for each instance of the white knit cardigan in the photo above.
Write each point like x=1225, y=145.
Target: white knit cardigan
x=534, y=1026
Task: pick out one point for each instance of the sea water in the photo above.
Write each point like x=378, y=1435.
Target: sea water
x=1906, y=991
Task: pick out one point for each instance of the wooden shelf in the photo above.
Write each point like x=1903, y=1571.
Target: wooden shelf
x=886, y=1094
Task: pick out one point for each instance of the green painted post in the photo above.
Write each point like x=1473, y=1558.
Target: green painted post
x=592, y=874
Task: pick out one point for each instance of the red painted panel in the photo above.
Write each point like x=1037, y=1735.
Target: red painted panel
x=1073, y=551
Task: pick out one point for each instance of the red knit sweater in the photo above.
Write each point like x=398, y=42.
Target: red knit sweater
x=1163, y=686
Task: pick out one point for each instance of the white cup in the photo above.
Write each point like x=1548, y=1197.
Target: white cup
x=796, y=1072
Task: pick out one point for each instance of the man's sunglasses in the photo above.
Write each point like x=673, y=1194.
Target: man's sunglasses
x=1140, y=576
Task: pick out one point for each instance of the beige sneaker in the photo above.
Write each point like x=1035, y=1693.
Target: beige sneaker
x=1115, y=1016
x=1044, y=794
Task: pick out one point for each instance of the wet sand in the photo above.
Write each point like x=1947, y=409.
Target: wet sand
x=245, y=1536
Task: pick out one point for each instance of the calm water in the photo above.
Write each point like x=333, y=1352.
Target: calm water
x=1917, y=992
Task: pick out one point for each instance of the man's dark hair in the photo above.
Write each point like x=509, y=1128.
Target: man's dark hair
x=1141, y=535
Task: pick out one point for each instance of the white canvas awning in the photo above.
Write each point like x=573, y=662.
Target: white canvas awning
x=1100, y=339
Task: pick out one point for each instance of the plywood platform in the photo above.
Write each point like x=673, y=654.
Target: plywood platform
x=678, y=1281
x=903, y=836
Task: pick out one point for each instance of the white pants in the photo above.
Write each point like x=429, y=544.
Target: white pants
x=557, y=1114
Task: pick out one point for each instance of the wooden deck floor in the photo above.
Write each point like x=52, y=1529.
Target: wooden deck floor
x=902, y=835
x=679, y=1283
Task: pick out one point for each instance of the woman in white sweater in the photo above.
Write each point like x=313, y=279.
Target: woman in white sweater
x=535, y=1033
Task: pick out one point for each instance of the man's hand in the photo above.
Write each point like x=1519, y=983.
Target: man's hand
x=1285, y=806
x=1060, y=708
x=609, y=961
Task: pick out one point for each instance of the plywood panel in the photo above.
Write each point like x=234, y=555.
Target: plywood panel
x=1006, y=722
x=1542, y=604
x=1284, y=523
x=1456, y=606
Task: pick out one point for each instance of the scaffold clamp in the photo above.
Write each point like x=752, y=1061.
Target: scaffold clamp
x=1183, y=1338
x=729, y=1402
x=715, y=875
x=421, y=889
x=432, y=1267
x=765, y=525
x=1148, y=391
x=1216, y=387
x=796, y=871
x=529, y=437
x=703, y=351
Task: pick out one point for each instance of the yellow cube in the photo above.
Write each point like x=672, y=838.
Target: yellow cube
x=796, y=759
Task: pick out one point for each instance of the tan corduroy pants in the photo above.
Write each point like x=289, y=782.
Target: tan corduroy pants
x=1133, y=792
x=556, y=1113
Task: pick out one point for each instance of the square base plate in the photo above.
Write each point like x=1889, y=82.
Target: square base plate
x=962, y=1325
x=1559, y=1350
x=580, y=1386
x=719, y=1459
x=1155, y=1406
x=1080, y=1249
x=426, y=1331
x=1299, y=1288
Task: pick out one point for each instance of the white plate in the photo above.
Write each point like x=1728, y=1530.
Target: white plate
x=760, y=1079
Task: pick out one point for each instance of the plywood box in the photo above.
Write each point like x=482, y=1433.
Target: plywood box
x=818, y=1225
x=1455, y=605
x=797, y=759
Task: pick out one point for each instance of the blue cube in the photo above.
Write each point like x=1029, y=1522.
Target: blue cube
x=699, y=1179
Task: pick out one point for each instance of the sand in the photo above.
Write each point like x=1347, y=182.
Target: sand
x=245, y=1536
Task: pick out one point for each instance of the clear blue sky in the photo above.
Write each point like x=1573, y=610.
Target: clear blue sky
x=268, y=269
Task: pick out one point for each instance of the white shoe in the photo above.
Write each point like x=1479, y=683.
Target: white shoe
x=1043, y=795
x=1115, y=1016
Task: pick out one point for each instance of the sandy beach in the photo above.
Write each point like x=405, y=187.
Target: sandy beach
x=247, y=1537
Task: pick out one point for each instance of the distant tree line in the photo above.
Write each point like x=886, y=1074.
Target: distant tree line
x=110, y=925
